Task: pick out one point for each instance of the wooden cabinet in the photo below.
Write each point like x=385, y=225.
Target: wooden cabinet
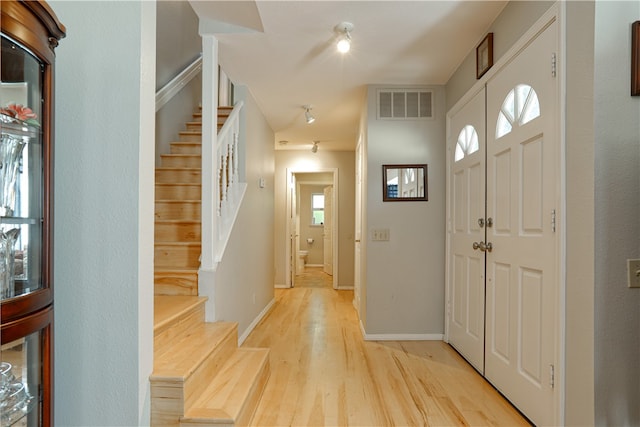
x=30, y=33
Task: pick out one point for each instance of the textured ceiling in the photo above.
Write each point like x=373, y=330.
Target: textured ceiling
x=284, y=51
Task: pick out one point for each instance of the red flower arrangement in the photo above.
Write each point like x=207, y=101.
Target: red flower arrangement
x=19, y=112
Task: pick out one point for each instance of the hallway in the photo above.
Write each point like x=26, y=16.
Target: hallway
x=324, y=374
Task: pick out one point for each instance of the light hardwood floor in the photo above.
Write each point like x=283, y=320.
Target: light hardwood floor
x=324, y=374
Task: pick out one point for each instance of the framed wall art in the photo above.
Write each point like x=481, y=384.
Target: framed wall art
x=635, y=59
x=484, y=55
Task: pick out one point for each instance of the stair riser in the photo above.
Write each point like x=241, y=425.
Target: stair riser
x=188, y=137
x=178, y=210
x=186, y=148
x=178, y=232
x=195, y=125
x=166, y=256
x=163, y=338
x=178, y=192
x=187, y=176
x=181, y=161
x=174, y=283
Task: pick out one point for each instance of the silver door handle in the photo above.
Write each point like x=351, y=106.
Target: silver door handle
x=485, y=247
x=476, y=246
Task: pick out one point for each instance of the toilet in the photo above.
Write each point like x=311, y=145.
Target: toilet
x=302, y=260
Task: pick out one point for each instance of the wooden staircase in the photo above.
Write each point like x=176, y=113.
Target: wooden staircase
x=200, y=376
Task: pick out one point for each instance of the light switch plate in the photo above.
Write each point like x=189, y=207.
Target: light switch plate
x=633, y=273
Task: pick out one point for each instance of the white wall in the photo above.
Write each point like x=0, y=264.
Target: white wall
x=244, y=278
x=405, y=276
x=617, y=217
x=103, y=245
x=178, y=45
x=305, y=160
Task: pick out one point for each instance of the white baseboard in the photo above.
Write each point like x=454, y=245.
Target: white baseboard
x=314, y=265
x=345, y=287
x=280, y=286
x=255, y=322
x=399, y=337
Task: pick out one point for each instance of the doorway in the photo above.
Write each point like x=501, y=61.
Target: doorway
x=312, y=229
x=504, y=246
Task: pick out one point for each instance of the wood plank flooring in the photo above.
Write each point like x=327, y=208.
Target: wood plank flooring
x=324, y=374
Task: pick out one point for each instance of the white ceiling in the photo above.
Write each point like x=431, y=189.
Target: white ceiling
x=287, y=57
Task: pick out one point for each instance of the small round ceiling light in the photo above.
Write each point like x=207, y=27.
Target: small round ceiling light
x=344, y=40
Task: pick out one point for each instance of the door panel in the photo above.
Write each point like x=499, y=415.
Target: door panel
x=327, y=234
x=522, y=197
x=466, y=322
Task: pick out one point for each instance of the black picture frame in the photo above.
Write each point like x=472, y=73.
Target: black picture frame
x=484, y=55
x=392, y=193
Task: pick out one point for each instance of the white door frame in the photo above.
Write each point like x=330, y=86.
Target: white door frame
x=288, y=232
x=555, y=13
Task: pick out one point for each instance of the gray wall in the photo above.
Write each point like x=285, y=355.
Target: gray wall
x=617, y=218
x=104, y=186
x=178, y=44
x=405, y=275
x=515, y=19
x=244, y=279
x=344, y=161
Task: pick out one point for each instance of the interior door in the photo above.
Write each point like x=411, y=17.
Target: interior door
x=327, y=234
x=294, y=232
x=467, y=211
x=522, y=201
x=357, y=270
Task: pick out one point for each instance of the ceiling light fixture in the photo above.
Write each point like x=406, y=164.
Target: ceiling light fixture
x=307, y=114
x=344, y=41
x=314, y=149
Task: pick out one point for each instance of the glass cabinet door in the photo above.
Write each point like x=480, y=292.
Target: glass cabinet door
x=25, y=372
x=21, y=171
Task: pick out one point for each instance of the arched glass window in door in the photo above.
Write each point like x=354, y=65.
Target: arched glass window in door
x=519, y=107
x=467, y=142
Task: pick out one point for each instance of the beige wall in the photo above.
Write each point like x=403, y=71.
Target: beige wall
x=405, y=275
x=244, y=278
x=300, y=161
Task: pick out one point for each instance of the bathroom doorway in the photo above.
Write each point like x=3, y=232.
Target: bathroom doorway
x=312, y=229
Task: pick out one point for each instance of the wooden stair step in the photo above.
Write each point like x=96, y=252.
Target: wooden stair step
x=181, y=160
x=178, y=191
x=190, y=135
x=178, y=209
x=177, y=254
x=182, y=147
x=195, y=125
x=187, y=366
x=172, y=316
x=174, y=230
x=233, y=395
x=178, y=175
x=175, y=281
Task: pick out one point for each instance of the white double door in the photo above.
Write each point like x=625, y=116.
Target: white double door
x=503, y=252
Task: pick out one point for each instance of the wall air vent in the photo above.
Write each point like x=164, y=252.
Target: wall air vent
x=405, y=104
